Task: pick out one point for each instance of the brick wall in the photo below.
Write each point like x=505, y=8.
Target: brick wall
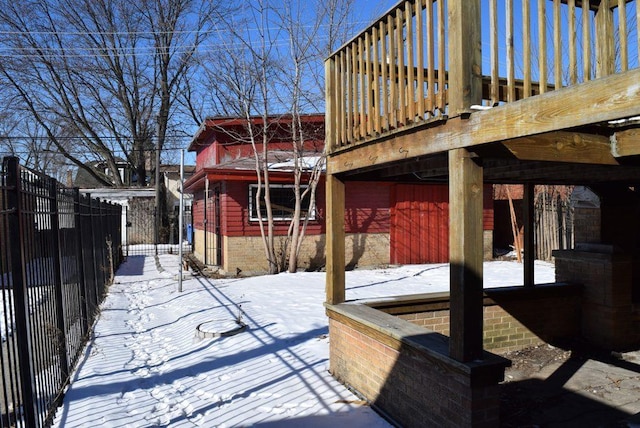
x=610, y=319
x=586, y=222
x=361, y=249
x=405, y=371
x=514, y=317
x=199, y=246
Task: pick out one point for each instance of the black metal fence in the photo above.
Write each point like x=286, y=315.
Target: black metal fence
x=58, y=253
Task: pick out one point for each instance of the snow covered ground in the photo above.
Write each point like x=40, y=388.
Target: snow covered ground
x=146, y=366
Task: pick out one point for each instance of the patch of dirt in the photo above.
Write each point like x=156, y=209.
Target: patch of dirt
x=198, y=268
x=527, y=362
x=534, y=392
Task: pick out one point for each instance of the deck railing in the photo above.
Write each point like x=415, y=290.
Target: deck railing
x=396, y=73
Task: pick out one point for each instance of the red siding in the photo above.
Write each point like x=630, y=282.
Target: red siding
x=420, y=222
x=487, y=208
x=206, y=157
x=415, y=216
x=234, y=200
x=367, y=207
x=198, y=210
x=235, y=213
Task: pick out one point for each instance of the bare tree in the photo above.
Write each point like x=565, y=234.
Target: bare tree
x=273, y=74
x=104, y=73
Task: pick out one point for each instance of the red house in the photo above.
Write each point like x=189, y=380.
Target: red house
x=386, y=223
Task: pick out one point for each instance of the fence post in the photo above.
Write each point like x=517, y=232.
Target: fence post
x=92, y=257
x=101, y=245
x=20, y=296
x=55, y=234
x=77, y=212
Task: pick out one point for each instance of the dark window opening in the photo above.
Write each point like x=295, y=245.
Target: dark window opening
x=282, y=202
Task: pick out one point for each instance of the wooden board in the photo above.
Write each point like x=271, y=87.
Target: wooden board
x=626, y=143
x=563, y=146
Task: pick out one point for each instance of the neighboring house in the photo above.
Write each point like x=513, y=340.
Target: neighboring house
x=385, y=222
x=171, y=180
x=139, y=203
x=137, y=214
x=127, y=174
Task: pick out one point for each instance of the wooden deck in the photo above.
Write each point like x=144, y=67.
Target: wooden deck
x=567, y=89
x=534, y=92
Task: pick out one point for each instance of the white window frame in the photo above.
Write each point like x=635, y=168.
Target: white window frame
x=252, y=211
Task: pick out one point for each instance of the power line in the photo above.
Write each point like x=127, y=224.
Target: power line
x=157, y=32
x=71, y=137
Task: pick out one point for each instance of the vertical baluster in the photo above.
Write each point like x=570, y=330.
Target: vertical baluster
x=493, y=40
x=339, y=94
x=511, y=90
x=526, y=47
x=342, y=76
x=557, y=44
x=411, y=79
x=376, y=81
x=542, y=43
x=384, y=53
x=573, y=57
x=393, y=67
x=622, y=32
x=350, y=93
x=354, y=91
x=362, y=90
x=441, y=57
x=368, y=88
x=402, y=80
x=431, y=79
x=586, y=41
x=420, y=57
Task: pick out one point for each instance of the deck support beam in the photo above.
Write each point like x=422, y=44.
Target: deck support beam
x=466, y=256
x=335, y=245
x=563, y=146
x=626, y=143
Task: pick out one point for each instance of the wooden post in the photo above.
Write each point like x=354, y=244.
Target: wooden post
x=529, y=230
x=330, y=105
x=605, y=50
x=466, y=256
x=335, y=286
x=465, y=56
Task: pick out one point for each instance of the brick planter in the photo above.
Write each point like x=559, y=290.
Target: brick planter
x=405, y=370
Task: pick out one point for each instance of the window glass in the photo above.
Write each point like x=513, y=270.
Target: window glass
x=282, y=202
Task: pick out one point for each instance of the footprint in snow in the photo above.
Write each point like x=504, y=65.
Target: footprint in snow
x=126, y=397
x=142, y=372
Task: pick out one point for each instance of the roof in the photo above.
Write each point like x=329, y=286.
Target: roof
x=206, y=133
x=244, y=168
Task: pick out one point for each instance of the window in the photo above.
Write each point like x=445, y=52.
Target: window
x=282, y=202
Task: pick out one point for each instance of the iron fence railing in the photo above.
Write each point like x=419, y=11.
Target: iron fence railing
x=58, y=252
